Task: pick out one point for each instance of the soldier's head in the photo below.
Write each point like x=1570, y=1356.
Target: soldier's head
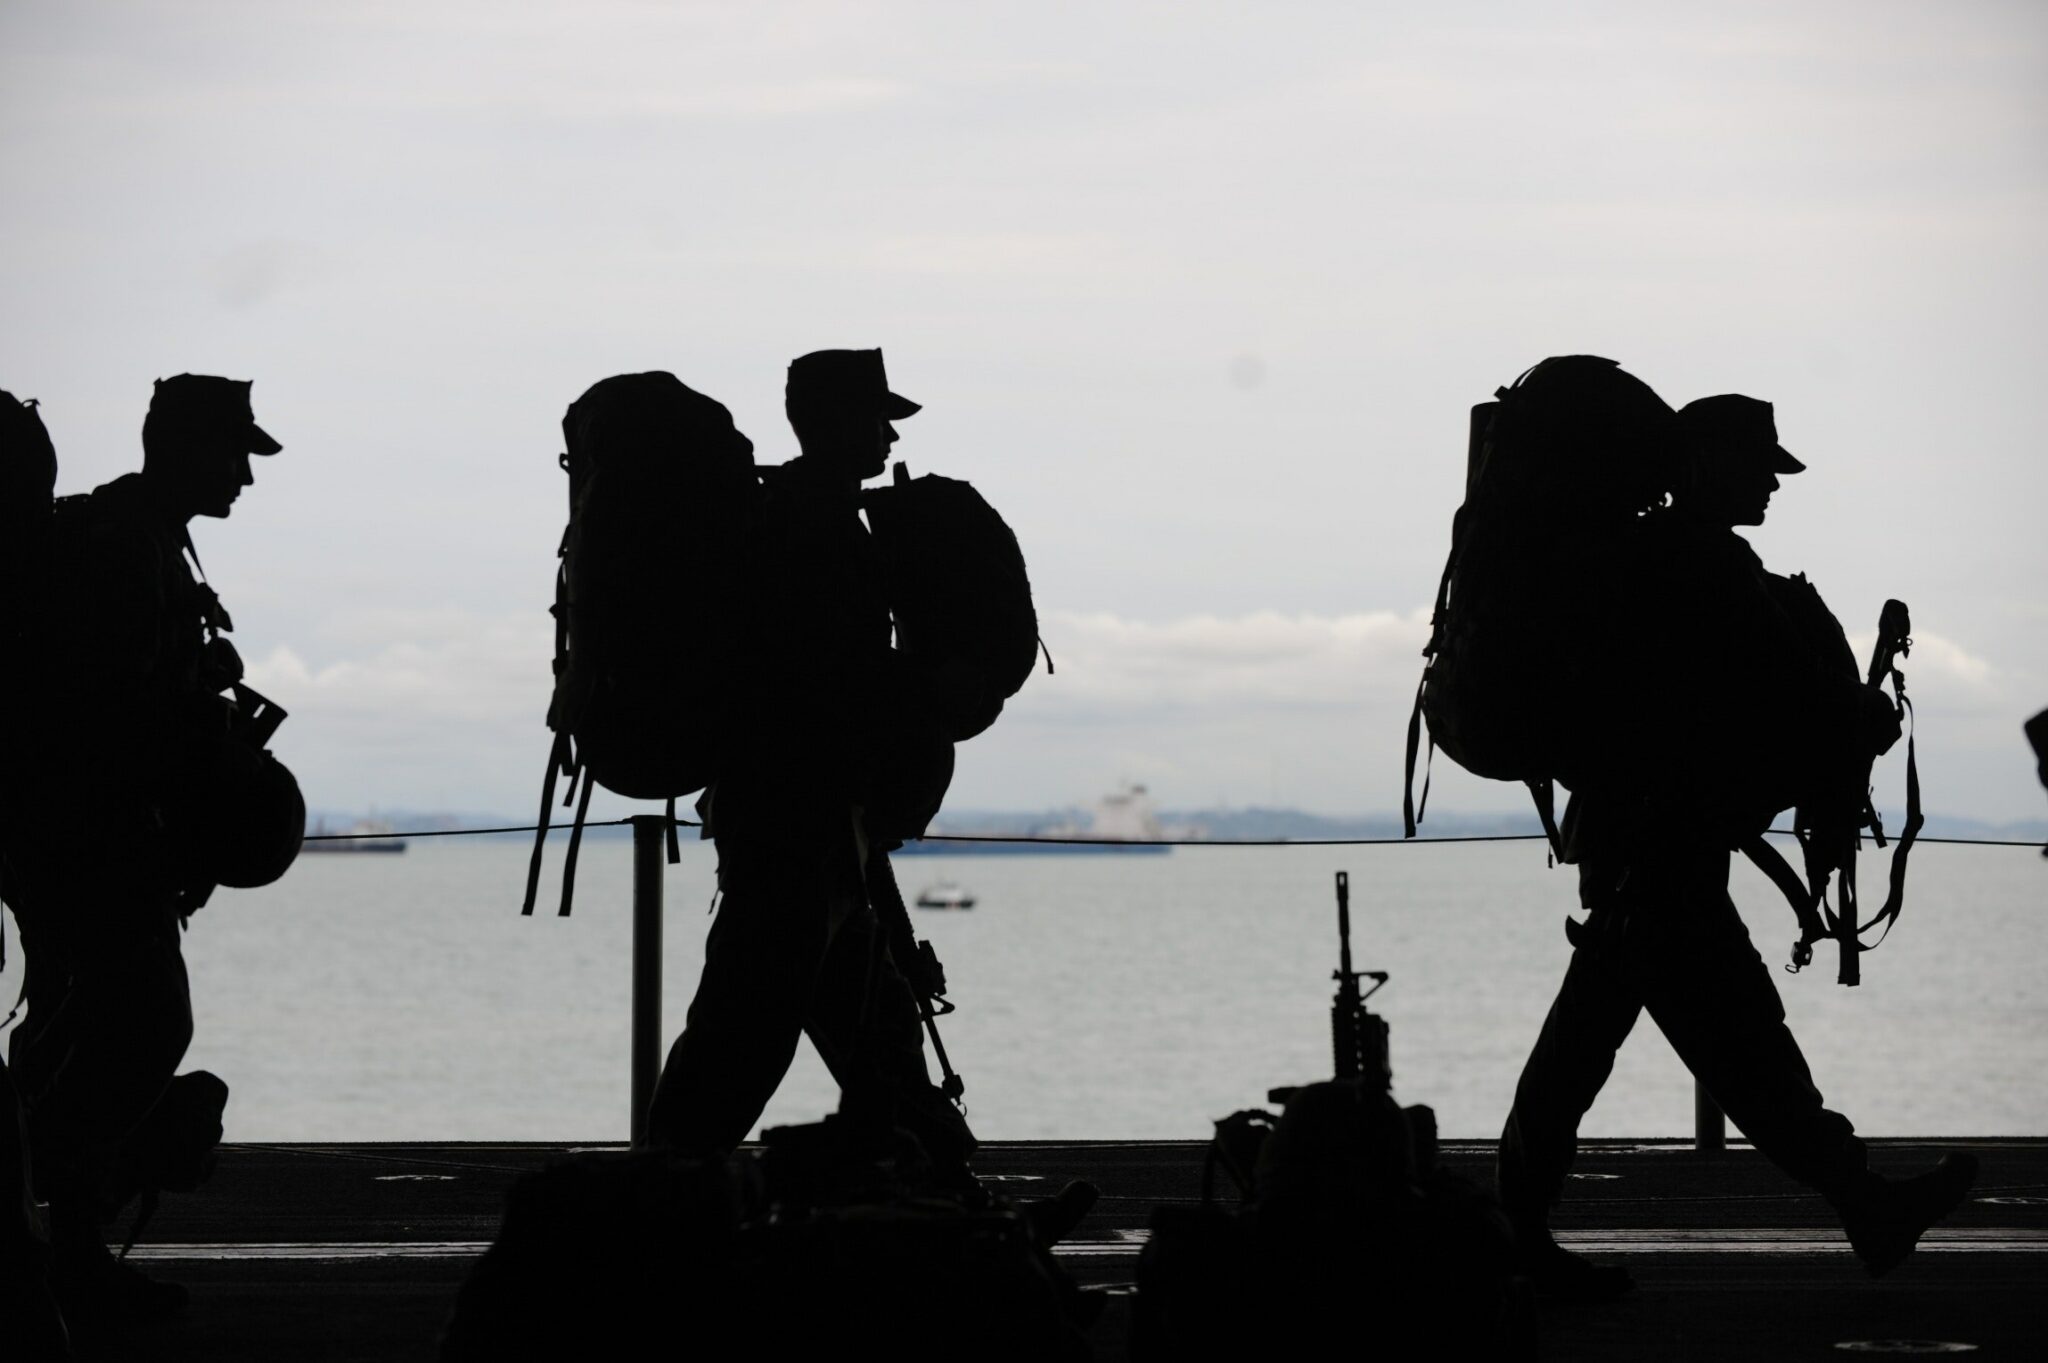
x=1733, y=459
x=841, y=408
x=196, y=443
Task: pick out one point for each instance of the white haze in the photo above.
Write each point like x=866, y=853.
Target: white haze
x=1197, y=293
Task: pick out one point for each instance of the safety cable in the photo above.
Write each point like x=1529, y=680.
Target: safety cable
x=1081, y=841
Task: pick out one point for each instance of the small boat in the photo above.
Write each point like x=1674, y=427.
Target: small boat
x=944, y=895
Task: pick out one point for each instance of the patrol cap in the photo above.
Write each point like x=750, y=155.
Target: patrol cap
x=848, y=378
x=205, y=404
x=1738, y=424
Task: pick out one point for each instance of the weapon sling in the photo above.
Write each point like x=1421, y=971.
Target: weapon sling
x=917, y=960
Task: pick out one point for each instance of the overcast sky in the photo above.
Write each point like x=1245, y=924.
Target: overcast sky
x=1198, y=294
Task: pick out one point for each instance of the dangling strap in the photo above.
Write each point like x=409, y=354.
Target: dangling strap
x=575, y=845
x=1411, y=811
x=1411, y=814
x=1048, y=655
x=1544, y=792
x=1895, y=896
x=557, y=758
x=675, y=847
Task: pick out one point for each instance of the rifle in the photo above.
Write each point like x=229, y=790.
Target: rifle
x=918, y=961
x=1830, y=839
x=1358, y=1036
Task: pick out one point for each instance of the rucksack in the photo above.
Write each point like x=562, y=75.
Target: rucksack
x=957, y=586
x=1520, y=683
x=28, y=477
x=662, y=494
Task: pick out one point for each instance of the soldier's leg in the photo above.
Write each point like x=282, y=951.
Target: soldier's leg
x=116, y=1018
x=761, y=963
x=1596, y=1007
x=1714, y=998
x=864, y=1021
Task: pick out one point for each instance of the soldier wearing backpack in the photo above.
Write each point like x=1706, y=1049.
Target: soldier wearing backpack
x=835, y=743
x=151, y=786
x=1750, y=700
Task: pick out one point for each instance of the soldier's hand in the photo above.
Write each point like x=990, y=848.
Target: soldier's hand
x=1880, y=721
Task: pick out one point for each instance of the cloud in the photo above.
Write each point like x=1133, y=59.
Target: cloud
x=1943, y=671
x=1265, y=657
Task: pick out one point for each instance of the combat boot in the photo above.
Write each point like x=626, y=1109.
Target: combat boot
x=1886, y=1218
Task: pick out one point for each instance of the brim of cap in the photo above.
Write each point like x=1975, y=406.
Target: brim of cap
x=896, y=407
x=1783, y=462
x=260, y=441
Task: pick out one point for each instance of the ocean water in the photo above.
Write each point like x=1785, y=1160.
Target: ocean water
x=404, y=998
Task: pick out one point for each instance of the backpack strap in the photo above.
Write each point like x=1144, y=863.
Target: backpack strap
x=575, y=838
x=1411, y=811
x=558, y=759
x=1544, y=792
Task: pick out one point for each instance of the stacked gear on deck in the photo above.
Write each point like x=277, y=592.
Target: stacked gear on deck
x=662, y=495
x=615, y=1255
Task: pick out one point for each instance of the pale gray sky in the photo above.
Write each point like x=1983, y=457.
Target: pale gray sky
x=1197, y=293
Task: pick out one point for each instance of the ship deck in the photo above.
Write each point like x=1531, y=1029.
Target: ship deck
x=348, y=1252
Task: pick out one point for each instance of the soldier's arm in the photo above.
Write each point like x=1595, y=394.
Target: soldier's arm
x=111, y=643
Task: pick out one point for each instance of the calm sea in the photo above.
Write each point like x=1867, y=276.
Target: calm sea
x=404, y=998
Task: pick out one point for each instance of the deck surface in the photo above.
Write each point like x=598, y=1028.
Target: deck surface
x=347, y=1252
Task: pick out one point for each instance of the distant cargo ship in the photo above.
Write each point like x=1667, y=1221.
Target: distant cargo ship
x=364, y=836
x=1122, y=824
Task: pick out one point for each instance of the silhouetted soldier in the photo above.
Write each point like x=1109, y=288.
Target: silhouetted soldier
x=100, y=875
x=796, y=947
x=1749, y=695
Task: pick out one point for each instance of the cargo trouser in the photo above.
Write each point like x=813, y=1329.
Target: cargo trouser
x=797, y=950
x=1667, y=938
x=108, y=1018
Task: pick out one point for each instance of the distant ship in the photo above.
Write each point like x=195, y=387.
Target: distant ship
x=946, y=894
x=1122, y=824
x=365, y=835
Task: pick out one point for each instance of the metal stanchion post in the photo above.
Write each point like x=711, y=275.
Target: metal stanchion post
x=1709, y=1124
x=650, y=834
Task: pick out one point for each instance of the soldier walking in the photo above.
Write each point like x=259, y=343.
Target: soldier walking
x=825, y=741
x=127, y=742
x=1737, y=741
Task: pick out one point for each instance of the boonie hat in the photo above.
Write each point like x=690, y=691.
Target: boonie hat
x=1738, y=424
x=845, y=377
x=203, y=403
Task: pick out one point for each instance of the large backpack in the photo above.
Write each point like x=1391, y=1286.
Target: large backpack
x=1521, y=682
x=957, y=587
x=28, y=476
x=662, y=494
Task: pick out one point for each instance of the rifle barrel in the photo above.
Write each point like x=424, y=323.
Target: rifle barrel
x=1344, y=926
